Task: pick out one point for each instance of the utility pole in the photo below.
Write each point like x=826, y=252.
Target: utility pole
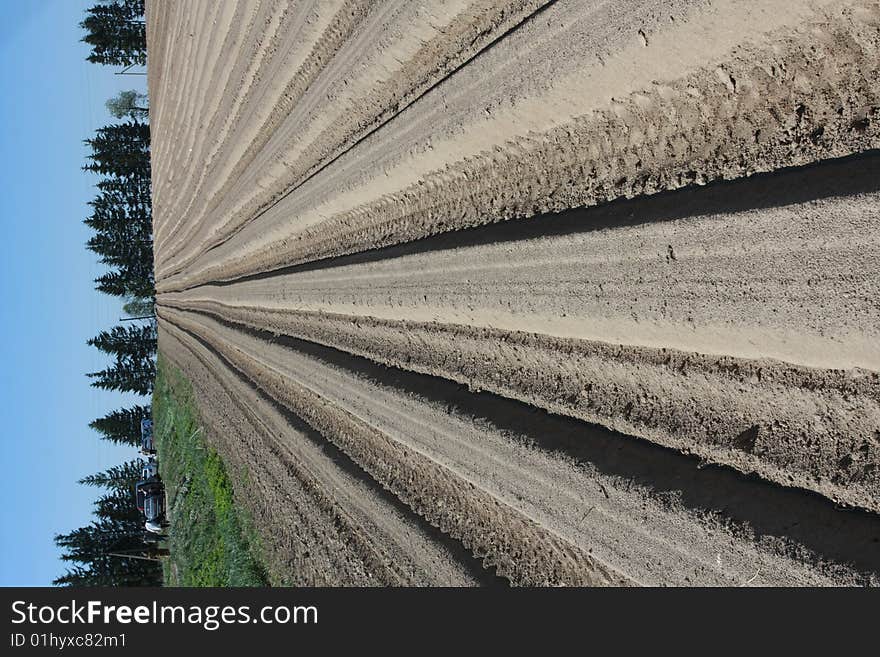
x=132, y=556
x=125, y=71
x=131, y=319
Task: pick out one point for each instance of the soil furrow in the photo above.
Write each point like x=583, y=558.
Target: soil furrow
x=518, y=547
x=542, y=292
x=775, y=267
x=428, y=44
x=797, y=107
x=796, y=426
x=589, y=506
x=396, y=551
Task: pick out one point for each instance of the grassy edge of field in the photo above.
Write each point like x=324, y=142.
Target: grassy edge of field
x=212, y=539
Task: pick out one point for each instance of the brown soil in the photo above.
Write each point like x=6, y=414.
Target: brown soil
x=478, y=292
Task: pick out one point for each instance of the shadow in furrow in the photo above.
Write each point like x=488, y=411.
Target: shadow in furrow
x=847, y=176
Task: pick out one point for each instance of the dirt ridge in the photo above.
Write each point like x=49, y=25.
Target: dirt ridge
x=564, y=292
x=789, y=111
x=535, y=481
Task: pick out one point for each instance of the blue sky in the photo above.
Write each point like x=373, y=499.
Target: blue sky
x=50, y=100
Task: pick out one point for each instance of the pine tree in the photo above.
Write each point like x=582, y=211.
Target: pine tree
x=135, y=188
x=122, y=149
x=112, y=283
x=122, y=223
x=93, y=550
x=118, y=505
x=122, y=204
x=126, y=375
x=137, y=342
x=122, y=426
x=133, y=257
x=118, y=477
x=126, y=283
x=117, y=33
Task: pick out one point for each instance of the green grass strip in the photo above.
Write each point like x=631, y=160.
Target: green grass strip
x=211, y=539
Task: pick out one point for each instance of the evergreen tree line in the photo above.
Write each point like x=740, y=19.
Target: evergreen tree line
x=121, y=218
x=111, y=550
